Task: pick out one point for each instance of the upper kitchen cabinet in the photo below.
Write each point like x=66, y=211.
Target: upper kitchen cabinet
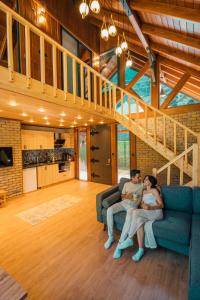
x=69, y=139
x=34, y=140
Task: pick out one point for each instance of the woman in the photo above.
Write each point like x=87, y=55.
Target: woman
x=151, y=210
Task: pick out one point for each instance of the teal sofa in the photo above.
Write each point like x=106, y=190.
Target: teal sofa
x=179, y=230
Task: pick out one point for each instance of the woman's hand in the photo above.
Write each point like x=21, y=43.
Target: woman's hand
x=145, y=206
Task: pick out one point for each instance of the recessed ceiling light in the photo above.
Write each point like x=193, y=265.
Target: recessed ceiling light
x=24, y=114
x=63, y=114
x=61, y=120
x=91, y=120
x=41, y=109
x=31, y=121
x=72, y=126
x=13, y=103
x=75, y=122
x=79, y=117
x=47, y=123
x=1, y=110
x=86, y=124
x=101, y=122
x=45, y=118
x=61, y=124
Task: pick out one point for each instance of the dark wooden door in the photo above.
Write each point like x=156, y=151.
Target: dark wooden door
x=100, y=153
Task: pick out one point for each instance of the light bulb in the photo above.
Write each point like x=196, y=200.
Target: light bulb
x=84, y=9
x=104, y=34
x=95, y=6
x=124, y=45
x=129, y=62
x=112, y=30
x=118, y=51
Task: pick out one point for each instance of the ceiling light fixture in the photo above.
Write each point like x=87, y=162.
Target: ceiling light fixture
x=91, y=120
x=75, y=122
x=118, y=50
x=101, y=122
x=47, y=123
x=124, y=44
x=62, y=114
x=95, y=6
x=129, y=61
x=61, y=124
x=84, y=9
x=31, y=121
x=41, y=17
x=79, y=117
x=13, y=103
x=85, y=124
x=24, y=114
x=45, y=118
x=104, y=30
x=112, y=30
x=41, y=109
x=61, y=120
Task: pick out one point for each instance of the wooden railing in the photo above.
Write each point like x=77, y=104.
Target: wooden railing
x=91, y=90
x=193, y=150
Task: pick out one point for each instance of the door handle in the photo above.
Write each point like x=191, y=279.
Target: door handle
x=108, y=162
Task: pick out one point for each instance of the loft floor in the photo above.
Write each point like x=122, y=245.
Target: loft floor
x=63, y=258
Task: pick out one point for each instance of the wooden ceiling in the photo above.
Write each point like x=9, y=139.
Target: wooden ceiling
x=172, y=29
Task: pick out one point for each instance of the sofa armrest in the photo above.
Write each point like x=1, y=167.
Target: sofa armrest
x=112, y=199
x=100, y=197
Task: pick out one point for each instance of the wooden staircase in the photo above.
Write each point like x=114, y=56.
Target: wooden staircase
x=95, y=94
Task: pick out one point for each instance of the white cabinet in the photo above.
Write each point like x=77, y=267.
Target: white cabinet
x=29, y=180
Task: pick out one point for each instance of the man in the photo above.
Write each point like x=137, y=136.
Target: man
x=131, y=196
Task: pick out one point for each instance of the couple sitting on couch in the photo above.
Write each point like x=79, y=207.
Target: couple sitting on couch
x=135, y=194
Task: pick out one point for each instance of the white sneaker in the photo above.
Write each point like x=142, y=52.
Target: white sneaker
x=108, y=243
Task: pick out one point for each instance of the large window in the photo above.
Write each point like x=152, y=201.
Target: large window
x=82, y=155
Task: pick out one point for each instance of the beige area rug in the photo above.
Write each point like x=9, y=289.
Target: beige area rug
x=48, y=209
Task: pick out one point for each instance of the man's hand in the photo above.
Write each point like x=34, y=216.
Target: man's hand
x=129, y=196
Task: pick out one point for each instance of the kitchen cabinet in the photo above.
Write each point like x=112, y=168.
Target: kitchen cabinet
x=34, y=140
x=49, y=174
x=29, y=180
x=69, y=139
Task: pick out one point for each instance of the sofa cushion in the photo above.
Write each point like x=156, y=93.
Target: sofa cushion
x=121, y=183
x=194, y=261
x=179, y=198
x=110, y=200
x=175, y=226
x=196, y=200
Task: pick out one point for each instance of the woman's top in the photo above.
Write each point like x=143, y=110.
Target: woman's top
x=149, y=199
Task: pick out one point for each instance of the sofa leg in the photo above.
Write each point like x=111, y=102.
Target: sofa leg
x=104, y=227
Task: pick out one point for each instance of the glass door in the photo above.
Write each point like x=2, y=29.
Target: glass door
x=82, y=154
x=123, y=152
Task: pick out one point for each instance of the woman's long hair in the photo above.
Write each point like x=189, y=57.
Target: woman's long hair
x=153, y=181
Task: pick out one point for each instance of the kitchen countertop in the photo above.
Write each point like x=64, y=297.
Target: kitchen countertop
x=45, y=163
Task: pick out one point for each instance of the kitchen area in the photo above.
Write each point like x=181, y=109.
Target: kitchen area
x=47, y=156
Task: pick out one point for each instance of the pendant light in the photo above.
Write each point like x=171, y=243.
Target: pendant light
x=95, y=6
x=104, y=30
x=124, y=44
x=118, y=50
x=112, y=28
x=84, y=9
x=129, y=61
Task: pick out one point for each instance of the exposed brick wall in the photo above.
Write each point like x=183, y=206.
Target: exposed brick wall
x=147, y=158
x=11, y=178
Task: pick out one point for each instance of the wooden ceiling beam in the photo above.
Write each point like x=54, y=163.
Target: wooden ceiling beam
x=177, y=55
x=175, y=90
x=134, y=20
x=138, y=76
x=164, y=9
x=175, y=65
x=177, y=37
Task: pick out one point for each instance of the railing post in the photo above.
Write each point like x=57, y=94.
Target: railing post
x=42, y=63
x=195, y=167
x=168, y=175
x=9, y=45
x=146, y=119
x=82, y=84
x=74, y=79
x=95, y=91
x=65, y=77
x=122, y=102
x=186, y=145
x=137, y=108
x=89, y=88
x=28, y=56
x=105, y=94
x=114, y=99
x=129, y=106
x=174, y=138
x=100, y=92
x=181, y=171
x=54, y=58
x=110, y=97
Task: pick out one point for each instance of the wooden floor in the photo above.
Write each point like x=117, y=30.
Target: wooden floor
x=63, y=257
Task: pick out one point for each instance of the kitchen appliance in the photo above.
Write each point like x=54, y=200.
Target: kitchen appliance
x=29, y=180
x=58, y=140
x=63, y=167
